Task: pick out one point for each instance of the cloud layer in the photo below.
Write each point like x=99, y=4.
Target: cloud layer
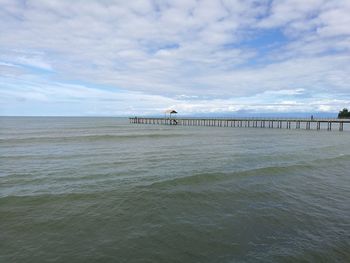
x=126, y=57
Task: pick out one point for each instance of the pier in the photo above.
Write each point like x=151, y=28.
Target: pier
x=277, y=123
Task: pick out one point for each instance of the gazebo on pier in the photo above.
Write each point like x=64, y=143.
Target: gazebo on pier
x=169, y=115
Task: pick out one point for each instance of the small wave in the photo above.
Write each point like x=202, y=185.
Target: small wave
x=198, y=178
x=327, y=160
x=221, y=176
x=87, y=137
x=48, y=197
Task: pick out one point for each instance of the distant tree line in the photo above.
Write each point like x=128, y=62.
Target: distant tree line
x=344, y=114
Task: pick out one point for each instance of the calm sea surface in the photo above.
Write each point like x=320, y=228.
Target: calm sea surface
x=104, y=190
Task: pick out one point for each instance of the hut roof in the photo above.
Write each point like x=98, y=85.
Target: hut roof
x=170, y=111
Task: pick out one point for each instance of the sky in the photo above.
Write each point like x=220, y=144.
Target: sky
x=141, y=57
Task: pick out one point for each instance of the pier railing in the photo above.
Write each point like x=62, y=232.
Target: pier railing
x=249, y=122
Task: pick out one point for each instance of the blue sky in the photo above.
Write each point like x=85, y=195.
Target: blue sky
x=120, y=58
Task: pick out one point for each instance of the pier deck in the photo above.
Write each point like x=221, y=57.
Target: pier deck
x=308, y=124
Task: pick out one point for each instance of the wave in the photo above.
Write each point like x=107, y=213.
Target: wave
x=88, y=137
x=220, y=176
x=198, y=178
x=31, y=198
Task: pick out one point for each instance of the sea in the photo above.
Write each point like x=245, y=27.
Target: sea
x=86, y=189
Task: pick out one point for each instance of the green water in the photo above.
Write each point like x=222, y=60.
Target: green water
x=104, y=190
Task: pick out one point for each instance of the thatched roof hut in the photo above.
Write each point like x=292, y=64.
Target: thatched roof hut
x=170, y=112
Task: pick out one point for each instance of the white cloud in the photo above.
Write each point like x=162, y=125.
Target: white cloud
x=42, y=98
x=178, y=52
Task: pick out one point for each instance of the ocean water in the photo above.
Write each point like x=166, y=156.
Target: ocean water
x=104, y=190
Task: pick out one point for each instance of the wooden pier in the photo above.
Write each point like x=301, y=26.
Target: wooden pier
x=308, y=124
